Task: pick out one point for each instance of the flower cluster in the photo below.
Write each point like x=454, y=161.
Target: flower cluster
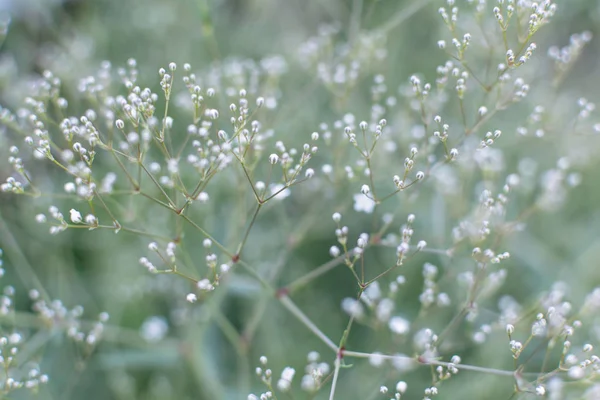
x=432, y=185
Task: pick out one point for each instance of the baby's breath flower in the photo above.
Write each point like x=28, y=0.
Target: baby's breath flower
x=401, y=387
x=75, y=216
x=154, y=329
x=363, y=204
x=334, y=251
x=204, y=284
x=540, y=390
x=154, y=160
x=399, y=325
x=285, y=381
x=191, y=298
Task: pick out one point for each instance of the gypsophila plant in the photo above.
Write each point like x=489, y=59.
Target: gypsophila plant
x=415, y=195
x=25, y=333
x=20, y=372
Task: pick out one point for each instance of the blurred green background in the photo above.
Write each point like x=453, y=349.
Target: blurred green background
x=196, y=360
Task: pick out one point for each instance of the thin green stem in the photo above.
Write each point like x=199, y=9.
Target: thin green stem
x=157, y=184
x=250, y=225
x=317, y=272
x=424, y=361
x=206, y=234
x=291, y=307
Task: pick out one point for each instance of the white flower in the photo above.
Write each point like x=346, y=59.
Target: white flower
x=352, y=307
x=75, y=216
x=334, y=251
x=202, y=197
x=540, y=390
x=401, y=387
x=399, y=325
x=191, y=298
x=576, y=372
x=308, y=383
x=373, y=291
x=384, y=309
x=70, y=187
x=90, y=219
x=286, y=379
x=154, y=329
x=363, y=204
x=510, y=329
x=204, y=284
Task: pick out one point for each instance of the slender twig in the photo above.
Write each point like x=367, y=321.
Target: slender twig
x=424, y=361
x=291, y=307
x=336, y=374
x=321, y=270
x=403, y=15
x=250, y=225
x=158, y=185
x=206, y=234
